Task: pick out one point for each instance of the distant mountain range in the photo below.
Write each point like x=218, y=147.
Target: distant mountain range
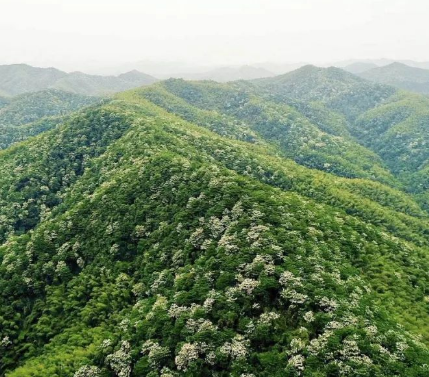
x=401, y=76
x=380, y=63
x=17, y=79
x=164, y=70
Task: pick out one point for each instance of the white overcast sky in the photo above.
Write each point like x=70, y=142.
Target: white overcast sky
x=85, y=33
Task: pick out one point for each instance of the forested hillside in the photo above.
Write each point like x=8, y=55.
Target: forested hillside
x=263, y=228
x=30, y=114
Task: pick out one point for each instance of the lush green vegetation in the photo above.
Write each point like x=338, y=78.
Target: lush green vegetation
x=197, y=229
x=31, y=107
x=30, y=114
x=294, y=134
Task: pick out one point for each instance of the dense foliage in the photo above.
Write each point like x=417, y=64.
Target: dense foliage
x=198, y=229
x=31, y=107
x=30, y=114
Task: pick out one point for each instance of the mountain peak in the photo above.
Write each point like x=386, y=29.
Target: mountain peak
x=400, y=75
x=17, y=79
x=397, y=64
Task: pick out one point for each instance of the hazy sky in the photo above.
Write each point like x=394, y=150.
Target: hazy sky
x=79, y=34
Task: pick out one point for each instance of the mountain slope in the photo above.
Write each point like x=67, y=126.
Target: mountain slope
x=337, y=89
x=153, y=244
x=29, y=114
x=324, y=119
x=135, y=77
x=294, y=133
x=401, y=76
x=398, y=132
x=393, y=124
x=28, y=108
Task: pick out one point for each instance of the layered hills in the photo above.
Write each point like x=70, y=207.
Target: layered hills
x=29, y=114
x=401, y=76
x=18, y=79
x=255, y=228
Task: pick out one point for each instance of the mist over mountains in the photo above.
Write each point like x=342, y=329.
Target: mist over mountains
x=21, y=78
x=214, y=188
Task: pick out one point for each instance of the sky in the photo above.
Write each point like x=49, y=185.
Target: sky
x=92, y=34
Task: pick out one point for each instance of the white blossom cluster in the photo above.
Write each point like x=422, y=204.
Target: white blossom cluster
x=161, y=303
x=175, y=311
x=159, y=281
x=5, y=342
x=188, y=354
x=199, y=325
x=120, y=361
x=263, y=261
x=228, y=241
x=237, y=348
x=296, y=345
x=106, y=343
x=88, y=371
x=248, y=285
x=309, y=316
x=297, y=362
x=155, y=351
x=255, y=235
x=268, y=318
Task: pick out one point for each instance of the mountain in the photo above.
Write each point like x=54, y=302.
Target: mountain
x=400, y=76
x=32, y=113
x=225, y=74
x=359, y=67
x=382, y=62
x=20, y=78
x=93, y=85
x=339, y=90
x=27, y=108
x=138, y=78
x=392, y=124
x=324, y=118
x=218, y=229
x=296, y=134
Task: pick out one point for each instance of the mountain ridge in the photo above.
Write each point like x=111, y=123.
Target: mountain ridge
x=198, y=228
x=400, y=75
x=18, y=79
